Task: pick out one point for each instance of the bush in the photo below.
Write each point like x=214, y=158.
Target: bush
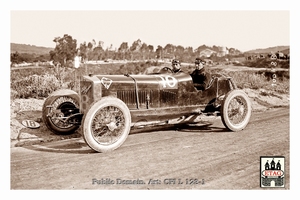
x=34, y=86
x=262, y=79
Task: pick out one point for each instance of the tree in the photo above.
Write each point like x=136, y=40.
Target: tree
x=159, y=52
x=144, y=50
x=151, y=48
x=169, y=50
x=200, y=48
x=89, y=51
x=91, y=46
x=98, y=50
x=15, y=58
x=123, y=49
x=179, y=52
x=135, y=48
x=83, y=51
x=215, y=48
x=188, y=54
x=65, y=49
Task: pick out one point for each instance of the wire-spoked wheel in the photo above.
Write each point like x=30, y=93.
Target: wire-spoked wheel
x=106, y=124
x=236, y=110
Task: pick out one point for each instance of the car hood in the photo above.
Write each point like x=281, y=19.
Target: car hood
x=163, y=81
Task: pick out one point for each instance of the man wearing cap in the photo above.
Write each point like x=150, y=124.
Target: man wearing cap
x=176, y=66
x=200, y=76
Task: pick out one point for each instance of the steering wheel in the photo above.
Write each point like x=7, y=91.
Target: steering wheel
x=167, y=69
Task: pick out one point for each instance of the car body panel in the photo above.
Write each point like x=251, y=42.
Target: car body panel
x=153, y=97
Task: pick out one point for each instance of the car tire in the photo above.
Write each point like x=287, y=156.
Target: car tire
x=61, y=99
x=106, y=124
x=236, y=110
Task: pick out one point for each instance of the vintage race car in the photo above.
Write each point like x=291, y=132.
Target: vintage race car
x=108, y=107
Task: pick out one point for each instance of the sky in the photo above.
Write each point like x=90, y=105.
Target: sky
x=240, y=29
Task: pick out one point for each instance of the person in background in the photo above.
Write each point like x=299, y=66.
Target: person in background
x=200, y=76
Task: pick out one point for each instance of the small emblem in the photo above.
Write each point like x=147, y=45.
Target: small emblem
x=106, y=82
x=272, y=171
x=30, y=124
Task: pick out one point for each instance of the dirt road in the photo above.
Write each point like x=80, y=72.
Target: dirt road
x=195, y=158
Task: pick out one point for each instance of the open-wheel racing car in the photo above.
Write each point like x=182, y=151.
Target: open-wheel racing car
x=108, y=107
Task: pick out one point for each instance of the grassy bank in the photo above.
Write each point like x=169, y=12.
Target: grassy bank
x=277, y=81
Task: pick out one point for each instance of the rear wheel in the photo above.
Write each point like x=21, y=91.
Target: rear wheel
x=106, y=124
x=236, y=110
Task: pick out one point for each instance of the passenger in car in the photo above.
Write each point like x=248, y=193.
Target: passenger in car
x=201, y=78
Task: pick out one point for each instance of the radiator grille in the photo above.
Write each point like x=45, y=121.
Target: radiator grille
x=146, y=97
x=168, y=97
x=127, y=96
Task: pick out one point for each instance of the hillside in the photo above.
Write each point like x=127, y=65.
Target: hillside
x=284, y=49
x=30, y=49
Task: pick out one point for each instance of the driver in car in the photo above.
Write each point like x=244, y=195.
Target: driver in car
x=200, y=76
x=176, y=66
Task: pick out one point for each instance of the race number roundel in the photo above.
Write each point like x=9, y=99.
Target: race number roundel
x=168, y=82
x=30, y=124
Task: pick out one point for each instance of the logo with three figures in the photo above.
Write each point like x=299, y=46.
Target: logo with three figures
x=272, y=171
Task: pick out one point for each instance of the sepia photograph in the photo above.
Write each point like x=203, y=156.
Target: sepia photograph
x=150, y=99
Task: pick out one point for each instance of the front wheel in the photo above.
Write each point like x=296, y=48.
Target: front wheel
x=106, y=124
x=236, y=110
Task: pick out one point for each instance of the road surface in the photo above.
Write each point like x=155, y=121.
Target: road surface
x=194, y=158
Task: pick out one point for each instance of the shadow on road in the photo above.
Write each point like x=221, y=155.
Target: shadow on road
x=72, y=146
x=201, y=128
x=78, y=145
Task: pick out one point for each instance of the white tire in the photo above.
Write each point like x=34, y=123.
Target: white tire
x=236, y=110
x=106, y=124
